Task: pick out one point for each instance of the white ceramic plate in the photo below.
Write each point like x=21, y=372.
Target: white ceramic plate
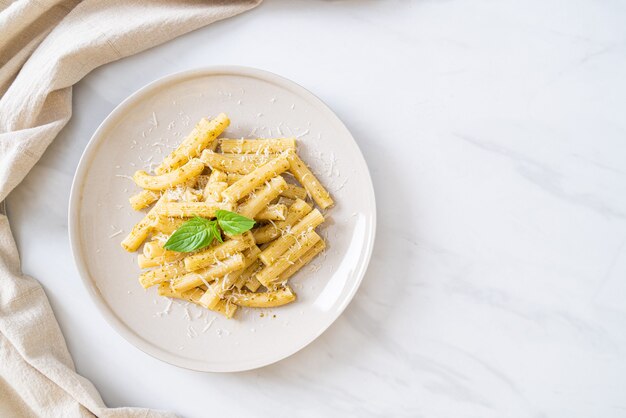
x=259, y=104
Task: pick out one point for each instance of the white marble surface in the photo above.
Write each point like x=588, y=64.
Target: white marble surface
x=495, y=134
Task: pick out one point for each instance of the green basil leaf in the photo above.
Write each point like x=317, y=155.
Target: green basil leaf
x=216, y=231
x=193, y=235
x=233, y=223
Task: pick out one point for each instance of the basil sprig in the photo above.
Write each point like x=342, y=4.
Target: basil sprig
x=233, y=223
x=198, y=233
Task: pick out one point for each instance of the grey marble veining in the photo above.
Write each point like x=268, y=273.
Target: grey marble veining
x=495, y=135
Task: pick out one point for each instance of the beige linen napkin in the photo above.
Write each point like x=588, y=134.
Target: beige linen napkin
x=46, y=46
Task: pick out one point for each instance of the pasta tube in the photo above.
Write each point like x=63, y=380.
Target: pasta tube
x=166, y=225
x=272, y=231
x=226, y=308
x=276, y=248
x=262, y=197
x=218, y=176
x=291, y=192
x=145, y=262
x=251, y=259
x=216, y=291
x=233, y=177
x=140, y=231
x=301, y=262
x=190, y=209
x=215, y=186
x=264, y=300
x=256, y=159
x=213, y=191
x=256, y=178
x=166, y=290
x=161, y=274
x=248, y=272
x=218, y=252
x=270, y=273
x=192, y=195
x=170, y=179
x=143, y=199
x=294, y=192
x=198, y=277
x=153, y=249
x=304, y=175
x=253, y=284
x=202, y=136
x=257, y=146
x=227, y=164
x=276, y=212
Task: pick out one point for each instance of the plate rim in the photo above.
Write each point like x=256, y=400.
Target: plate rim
x=84, y=164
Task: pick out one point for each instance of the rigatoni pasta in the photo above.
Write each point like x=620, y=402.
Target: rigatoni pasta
x=143, y=199
x=218, y=252
x=294, y=192
x=271, y=231
x=257, y=146
x=269, y=274
x=254, y=178
x=227, y=164
x=301, y=262
x=189, y=209
x=202, y=137
x=276, y=212
x=292, y=237
x=141, y=230
x=303, y=174
x=208, y=274
x=173, y=178
x=261, y=197
x=269, y=299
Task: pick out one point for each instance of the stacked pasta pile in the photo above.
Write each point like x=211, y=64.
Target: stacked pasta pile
x=205, y=174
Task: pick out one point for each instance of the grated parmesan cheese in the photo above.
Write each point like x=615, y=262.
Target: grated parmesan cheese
x=167, y=309
x=191, y=332
x=208, y=325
